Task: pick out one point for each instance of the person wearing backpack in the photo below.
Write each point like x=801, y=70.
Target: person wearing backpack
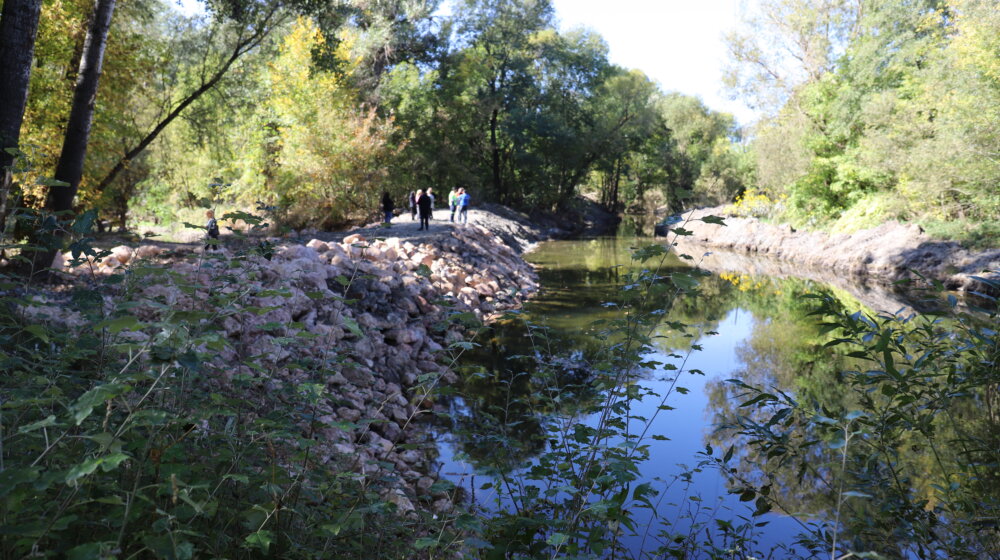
x=212, y=232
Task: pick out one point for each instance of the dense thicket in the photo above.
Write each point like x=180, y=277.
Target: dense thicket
x=876, y=110
x=316, y=108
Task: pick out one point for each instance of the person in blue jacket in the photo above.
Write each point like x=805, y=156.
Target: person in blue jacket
x=462, y=201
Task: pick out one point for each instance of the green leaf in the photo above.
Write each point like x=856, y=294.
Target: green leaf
x=82, y=470
x=118, y=324
x=425, y=542
x=39, y=331
x=713, y=220
x=684, y=281
x=49, y=421
x=352, y=326
x=557, y=539
x=83, y=406
x=261, y=540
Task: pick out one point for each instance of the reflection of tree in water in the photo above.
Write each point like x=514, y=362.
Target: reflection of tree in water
x=522, y=378
x=518, y=383
x=908, y=489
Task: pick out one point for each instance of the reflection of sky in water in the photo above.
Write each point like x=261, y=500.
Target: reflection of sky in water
x=571, y=274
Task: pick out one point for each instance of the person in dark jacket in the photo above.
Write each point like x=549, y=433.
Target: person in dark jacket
x=387, y=206
x=211, y=231
x=424, y=206
x=413, y=205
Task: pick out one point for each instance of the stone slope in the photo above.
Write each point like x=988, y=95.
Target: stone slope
x=379, y=309
x=888, y=253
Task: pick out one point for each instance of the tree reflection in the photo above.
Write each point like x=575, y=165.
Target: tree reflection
x=893, y=461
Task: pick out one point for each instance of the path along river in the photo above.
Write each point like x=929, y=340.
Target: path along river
x=749, y=321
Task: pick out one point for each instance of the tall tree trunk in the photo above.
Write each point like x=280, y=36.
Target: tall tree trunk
x=616, y=181
x=18, y=27
x=495, y=149
x=69, y=170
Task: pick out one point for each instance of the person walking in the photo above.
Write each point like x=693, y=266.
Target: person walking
x=425, y=206
x=211, y=232
x=387, y=206
x=462, y=200
x=452, y=202
x=430, y=193
x=413, y=206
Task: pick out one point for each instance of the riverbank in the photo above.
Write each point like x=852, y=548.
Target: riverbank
x=889, y=253
x=387, y=309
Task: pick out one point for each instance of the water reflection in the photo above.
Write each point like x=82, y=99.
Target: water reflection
x=527, y=387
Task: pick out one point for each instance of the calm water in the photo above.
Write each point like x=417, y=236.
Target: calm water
x=751, y=327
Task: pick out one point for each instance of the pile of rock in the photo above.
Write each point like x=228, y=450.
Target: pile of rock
x=889, y=252
x=376, y=312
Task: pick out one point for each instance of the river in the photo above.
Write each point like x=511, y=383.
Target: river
x=749, y=321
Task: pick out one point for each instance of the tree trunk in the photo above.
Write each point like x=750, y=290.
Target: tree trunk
x=69, y=170
x=495, y=149
x=18, y=27
x=615, y=182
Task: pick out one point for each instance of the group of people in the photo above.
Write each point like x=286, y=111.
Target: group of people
x=422, y=205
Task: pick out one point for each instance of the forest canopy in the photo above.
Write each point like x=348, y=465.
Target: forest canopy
x=869, y=111
x=315, y=109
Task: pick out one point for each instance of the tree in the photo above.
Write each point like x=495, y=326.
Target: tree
x=499, y=51
x=787, y=43
x=69, y=170
x=256, y=23
x=18, y=27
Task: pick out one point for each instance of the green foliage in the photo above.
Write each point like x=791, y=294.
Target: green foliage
x=895, y=111
x=899, y=460
x=123, y=436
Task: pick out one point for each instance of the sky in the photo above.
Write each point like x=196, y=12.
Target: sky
x=677, y=43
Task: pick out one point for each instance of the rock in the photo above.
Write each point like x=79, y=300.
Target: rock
x=358, y=376
x=148, y=251
x=349, y=414
x=295, y=252
x=318, y=246
x=122, y=253
x=403, y=504
x=372, y=374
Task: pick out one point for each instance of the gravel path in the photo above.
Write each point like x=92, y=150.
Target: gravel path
x=513, y=227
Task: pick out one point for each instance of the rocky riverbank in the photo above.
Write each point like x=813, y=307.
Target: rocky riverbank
x=386, y=314
x=889, y=253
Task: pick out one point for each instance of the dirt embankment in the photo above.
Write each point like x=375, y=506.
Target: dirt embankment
x=887, y=253
x=375, y=301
